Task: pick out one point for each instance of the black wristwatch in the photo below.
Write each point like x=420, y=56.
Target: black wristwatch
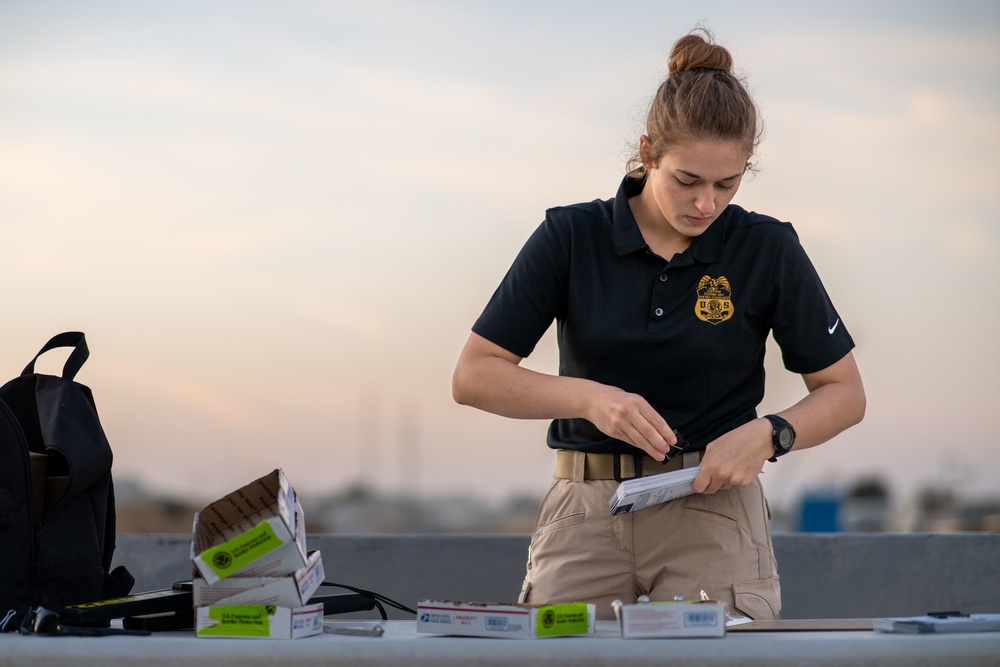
x=782, y=436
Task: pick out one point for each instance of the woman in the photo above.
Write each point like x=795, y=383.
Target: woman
x=664, y=297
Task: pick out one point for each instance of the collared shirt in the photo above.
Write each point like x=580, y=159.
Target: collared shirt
x=687, y=334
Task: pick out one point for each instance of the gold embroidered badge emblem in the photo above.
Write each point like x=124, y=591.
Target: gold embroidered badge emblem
x=714, y=304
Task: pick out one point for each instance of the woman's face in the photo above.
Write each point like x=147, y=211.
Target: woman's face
x=693, y=182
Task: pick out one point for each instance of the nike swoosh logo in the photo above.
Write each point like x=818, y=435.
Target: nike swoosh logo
x=834, y=327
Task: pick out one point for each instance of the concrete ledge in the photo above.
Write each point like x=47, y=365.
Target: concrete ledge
x=839, y=575
x=865, y=575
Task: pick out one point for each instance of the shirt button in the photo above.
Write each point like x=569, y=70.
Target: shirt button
x=663, y=277
x=659, y=312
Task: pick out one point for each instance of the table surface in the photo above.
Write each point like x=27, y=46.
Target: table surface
x=402, y=645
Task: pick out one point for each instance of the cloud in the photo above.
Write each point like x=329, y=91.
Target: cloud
x=972, y=240
x=268, y=206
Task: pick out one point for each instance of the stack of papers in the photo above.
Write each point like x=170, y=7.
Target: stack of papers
x=640, y=492
x=924, y=624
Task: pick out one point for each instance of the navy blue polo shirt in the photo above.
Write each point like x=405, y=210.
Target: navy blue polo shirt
x=687, y=334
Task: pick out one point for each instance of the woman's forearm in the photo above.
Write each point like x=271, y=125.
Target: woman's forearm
x=835, y=402
x=490, y=378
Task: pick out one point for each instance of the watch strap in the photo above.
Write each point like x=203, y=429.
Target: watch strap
x=777, y=425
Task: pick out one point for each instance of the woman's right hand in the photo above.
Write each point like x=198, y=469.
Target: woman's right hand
x=490, y=378
x=630, y=418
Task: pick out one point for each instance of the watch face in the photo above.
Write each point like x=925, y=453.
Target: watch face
x=785, y=438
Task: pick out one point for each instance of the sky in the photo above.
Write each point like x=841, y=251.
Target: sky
x=277, y=221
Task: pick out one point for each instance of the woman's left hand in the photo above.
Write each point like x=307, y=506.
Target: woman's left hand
x=736, y=458
x=836, y=401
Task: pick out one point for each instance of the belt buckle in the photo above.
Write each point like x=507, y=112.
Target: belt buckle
x=674, y=450
x=616, y=466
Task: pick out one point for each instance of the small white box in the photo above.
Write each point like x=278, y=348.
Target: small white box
x=259, y=621
x=291, y=591
x=672, y=619
x=256, y=531
x=508, y=621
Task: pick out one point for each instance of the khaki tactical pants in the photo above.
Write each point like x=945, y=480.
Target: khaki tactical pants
x=717, y=543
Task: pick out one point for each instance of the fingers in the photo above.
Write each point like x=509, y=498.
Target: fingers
x=648, y=431
x=701, y=482
x=706, y=483
x=718, y=474
x=629, y=417
x=652, y=444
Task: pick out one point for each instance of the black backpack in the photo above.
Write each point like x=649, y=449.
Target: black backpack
x=57, y=505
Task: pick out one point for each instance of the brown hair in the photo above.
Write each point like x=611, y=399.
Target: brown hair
x=701, y=98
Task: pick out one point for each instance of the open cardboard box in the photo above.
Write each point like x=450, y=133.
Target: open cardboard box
x=291, y=591
x=256, y=531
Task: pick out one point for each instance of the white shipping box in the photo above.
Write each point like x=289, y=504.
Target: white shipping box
x=256, y=531
x=508, y=621
x=293, y=590
x=672, y=619
x=259, y=621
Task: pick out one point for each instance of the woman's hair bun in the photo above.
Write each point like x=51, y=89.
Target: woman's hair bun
x=701, y=98
x=693, y=51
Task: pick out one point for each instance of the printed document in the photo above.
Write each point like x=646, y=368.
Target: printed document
x=640, y=492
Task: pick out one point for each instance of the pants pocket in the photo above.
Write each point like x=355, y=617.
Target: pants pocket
x=560, y=508
x=525, y=592
x=760, y=600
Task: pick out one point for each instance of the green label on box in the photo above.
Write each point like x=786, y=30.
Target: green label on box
x=562, y=619
x=242, y=550
x=238, y=621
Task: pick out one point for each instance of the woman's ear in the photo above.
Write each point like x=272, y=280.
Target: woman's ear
x=646, y=153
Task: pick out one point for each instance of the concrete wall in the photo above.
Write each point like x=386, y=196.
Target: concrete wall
x=823, y=575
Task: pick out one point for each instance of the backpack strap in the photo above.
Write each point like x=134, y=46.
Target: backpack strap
x=77, y=357
x=42, y=621
x=119, y=582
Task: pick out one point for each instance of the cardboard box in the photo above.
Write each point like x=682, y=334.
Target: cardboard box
x=291, y=591
x=259, y=621
x=256, y=531
x=672, y=619
x=510, y=621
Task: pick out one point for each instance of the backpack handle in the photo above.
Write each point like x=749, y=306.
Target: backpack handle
x=77, y=357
